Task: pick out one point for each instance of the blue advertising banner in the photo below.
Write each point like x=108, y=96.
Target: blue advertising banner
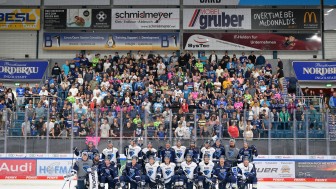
x=111, y=41
x=24, y=70
x=314, y=71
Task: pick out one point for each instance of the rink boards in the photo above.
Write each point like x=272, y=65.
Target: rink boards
x=269, y=168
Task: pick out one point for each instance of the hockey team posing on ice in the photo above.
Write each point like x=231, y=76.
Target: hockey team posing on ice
x=177, y=167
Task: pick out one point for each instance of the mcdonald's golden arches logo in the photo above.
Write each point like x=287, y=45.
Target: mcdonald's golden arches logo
x=310, y=17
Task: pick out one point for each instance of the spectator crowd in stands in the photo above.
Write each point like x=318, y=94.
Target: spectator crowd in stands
x=102, y=95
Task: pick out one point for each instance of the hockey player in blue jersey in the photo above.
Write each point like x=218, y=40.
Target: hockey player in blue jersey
x=91, y=150
x=247, y=174
x=152, y=174
x=168, y=172
x=205, y=171
x=224, y=175
x=189, y=172
x=167, y=151
x=219, y=151
x=193, y=151
x=131, y=174
x=247, y=151
x=133, y=150
x=108, y=173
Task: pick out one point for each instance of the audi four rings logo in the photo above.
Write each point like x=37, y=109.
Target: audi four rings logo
x=101, y=16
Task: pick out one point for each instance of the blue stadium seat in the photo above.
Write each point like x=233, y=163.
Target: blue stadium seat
x=288, y=134
x=301, y=134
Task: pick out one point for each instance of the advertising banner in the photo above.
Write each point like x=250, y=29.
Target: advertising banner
x=210, y=2
x=251, y=41
x=21, y=2
x=315, y=70
x=216, y=19
x=146, y=2
x=275, y=169
x=19, y=19
x=315, y=169
x=101, y=19
x=272, y=19
x=55, y=18
x=145, y=19
x=79, y=18
x=22, y=70
x=111, y=41
x=48, y=167
x=76, y=2
x=18, y=167
x=284, y=2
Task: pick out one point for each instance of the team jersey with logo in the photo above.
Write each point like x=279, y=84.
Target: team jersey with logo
x=111, y=154
x=152, y=170
x=179, y=152
x=206, y=168
x=189, y=169
x=209, y=151
x=168, y=170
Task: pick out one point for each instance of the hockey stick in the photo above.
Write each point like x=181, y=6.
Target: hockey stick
x=72, y=159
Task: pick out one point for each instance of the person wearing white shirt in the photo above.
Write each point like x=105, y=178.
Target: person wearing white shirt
x=104, y=129
x=219, y=71
x=95, y=91
x=43, y=92
x=89, y=57
x=73, y=90
x=107, y=64
x=98, y=98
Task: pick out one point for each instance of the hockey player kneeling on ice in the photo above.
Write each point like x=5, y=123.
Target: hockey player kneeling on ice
x=247, y=174
x=205, y=172
x=108, y=174
x=168, y=172
x=189, y=172
x=152, y=175
x=131, y=174
x=224, y=175
x=81, y=168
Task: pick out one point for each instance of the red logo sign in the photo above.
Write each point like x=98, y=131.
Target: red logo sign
x=20, y=167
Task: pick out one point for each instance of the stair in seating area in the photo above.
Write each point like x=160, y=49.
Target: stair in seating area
x=285, y=90
x=331, y=128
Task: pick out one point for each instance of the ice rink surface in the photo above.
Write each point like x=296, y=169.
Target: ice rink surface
x=52, y=184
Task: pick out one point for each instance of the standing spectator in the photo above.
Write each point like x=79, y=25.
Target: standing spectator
x=20, y=91
x=284, y=118
x=252, y=58
x=66, y=68
x=243, y=58
x=261, y=61
x=280, y=75
x=332, y=106
x=248, y=134
x=213, y=57
x=56, y=70
x=280, y=63
x=104, y=129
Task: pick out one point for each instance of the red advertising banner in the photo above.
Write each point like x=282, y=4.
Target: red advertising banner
x=19, y=167
x=252, y=41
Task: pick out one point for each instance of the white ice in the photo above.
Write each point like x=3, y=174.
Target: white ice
x=52, y=184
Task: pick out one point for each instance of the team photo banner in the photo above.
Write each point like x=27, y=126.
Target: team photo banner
x=22, y=70
x=111, y=41
x=19, y=19
x=216, y=19
x=251, y=41
x=146, y=2
x=314, y=71
x=77, y=18
x=271, y=19
x=145, y=19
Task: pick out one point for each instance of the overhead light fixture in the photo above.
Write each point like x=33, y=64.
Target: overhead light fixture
x=330, y=10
